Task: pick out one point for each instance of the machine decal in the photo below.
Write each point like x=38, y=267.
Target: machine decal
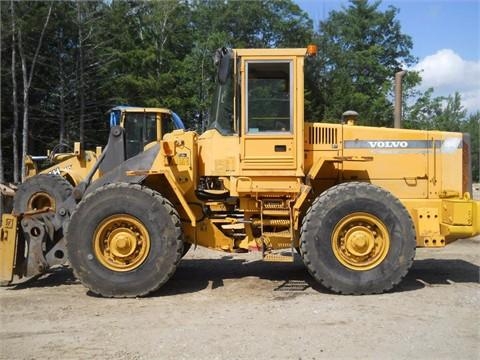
x=58, y=170
x=446, y=146
x=183, y=159
x=450, y=145
x=388, y=144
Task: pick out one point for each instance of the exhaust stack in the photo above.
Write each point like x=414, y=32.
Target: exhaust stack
x=397, y=116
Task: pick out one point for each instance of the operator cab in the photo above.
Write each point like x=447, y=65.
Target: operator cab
x=143, y=125
x=259, y=99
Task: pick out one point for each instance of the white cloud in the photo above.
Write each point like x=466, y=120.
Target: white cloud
x=447, y=72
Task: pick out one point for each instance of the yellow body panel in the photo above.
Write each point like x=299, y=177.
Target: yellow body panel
x=226, y=150
x=8, y=246
x=73, y=167
x=409, y=163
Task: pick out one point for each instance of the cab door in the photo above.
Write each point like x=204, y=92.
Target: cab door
x=268, y=131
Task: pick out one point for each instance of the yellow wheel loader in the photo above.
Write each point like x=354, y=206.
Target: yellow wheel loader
x=53, y=184
x=355, y=201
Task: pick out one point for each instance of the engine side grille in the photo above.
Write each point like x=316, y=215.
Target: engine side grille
x=322, y=135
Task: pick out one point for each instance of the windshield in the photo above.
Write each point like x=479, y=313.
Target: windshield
x=140, y=129
x=221, y=113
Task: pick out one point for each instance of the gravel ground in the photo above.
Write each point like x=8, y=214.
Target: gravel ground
x=224, y=307
x=218, y=307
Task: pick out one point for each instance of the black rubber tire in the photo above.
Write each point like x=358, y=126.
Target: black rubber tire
x=328, y=210
x=186, y=247
x=55, y=186
x=153, y=211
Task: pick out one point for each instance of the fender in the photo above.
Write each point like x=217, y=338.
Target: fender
x=170, y=178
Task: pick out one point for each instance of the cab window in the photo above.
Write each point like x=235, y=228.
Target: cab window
x=167, y=124
x=269, y=97
x=140, y=129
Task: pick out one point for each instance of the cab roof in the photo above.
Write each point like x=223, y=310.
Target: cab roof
x=140, y=109
x=271, y=52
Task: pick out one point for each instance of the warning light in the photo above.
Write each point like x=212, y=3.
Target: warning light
x=311, y=50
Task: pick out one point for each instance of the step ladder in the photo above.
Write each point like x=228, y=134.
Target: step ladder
x=277, y=229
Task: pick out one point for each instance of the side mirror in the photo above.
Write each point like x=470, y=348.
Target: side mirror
x=222, y=60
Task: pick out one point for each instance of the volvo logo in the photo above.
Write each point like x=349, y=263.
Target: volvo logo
x=387, y=144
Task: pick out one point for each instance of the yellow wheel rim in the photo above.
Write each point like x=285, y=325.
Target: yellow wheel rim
x=360, y=241
x=41, y=200
x=121, y=243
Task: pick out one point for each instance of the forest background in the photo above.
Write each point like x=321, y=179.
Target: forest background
x=65, y=63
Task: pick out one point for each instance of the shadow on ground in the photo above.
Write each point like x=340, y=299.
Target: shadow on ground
x=193, y=275
x=430, y=272
x=54, y=277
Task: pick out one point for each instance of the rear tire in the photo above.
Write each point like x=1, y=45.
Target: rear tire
x=41, y=191
x=124, y=240
x=357, y=238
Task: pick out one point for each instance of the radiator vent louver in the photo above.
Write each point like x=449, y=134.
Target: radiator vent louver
x=319, y=135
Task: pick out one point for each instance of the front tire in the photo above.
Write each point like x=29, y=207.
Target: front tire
x=124, y=240
x=357, y=238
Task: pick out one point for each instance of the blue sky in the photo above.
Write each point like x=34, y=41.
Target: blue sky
x=446, y=41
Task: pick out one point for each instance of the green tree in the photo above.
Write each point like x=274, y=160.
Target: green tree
x=240, y=24
x=453, y=114
x=28, y=24
x=360, y=50
x=444, y=113
x=98, y=54
x=144, y=44
x=422, y=113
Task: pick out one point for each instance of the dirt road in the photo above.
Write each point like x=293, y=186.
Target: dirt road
x=219, y=307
